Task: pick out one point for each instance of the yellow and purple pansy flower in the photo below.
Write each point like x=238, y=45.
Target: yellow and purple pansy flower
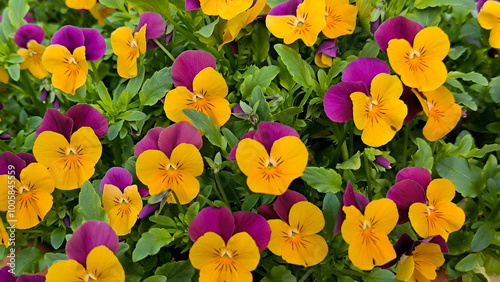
x=227, y=247
x=29, y=38
x=340, y=18
x=350, y=198
x=325, y=53
x=489, y=18
x=236, y=24
x=127, y=47
x=155, y=28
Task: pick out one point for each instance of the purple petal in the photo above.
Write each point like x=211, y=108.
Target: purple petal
x=403, y=246
x=192, y=5
x=288, y=8
x=480, y=4
x=1, y=106
x=86, y=115
x=268, y=212
x=168, y=38
x=338, y=104
x=328, y=47
x=188, y=65
x=375, y=25
x=382, y=161
x=155, y=24
x=269, y=132
x=418, y=174
x=118, y=177
x=29, y=32
x=148, y=210
x=30, y=278
x=285, y=202
x=364, y=70
x=212, y=219
x=411, y=101
x=405, y=193
x=28, y=18
x=89, y=235
x=5, y=136
x=396, y=28
x=54, y=121
x=6, y=276
x=66, y=221
x=232, y=155
x=143, y=191
x=181, y=132
x=150, y=45
x=27, y=157
x=149, y=142
x=438, y=240
x=56, y=103
x=255, y=225
x=351, y=198
x=69, y=36
x=94, y=43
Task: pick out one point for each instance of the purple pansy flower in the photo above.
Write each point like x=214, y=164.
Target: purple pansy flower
x=6, y=276
x=282, y=206
x=396, y=28
x=121, y=178
x=17, y=162
x=411, y=186
x=220, y=221
x=188, y=64
x=29, y=32
x=266, y=134
x=167, y=139
x=89, y=235
x=328, y=47
x=75, y=118
x=351, y=198
x=73, y=37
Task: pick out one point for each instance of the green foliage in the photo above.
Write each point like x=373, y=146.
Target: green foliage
x=323, y=180
x=151, y=242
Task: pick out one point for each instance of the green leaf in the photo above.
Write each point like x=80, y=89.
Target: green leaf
x=205, y=124
x=178, y=271
x=15, y=59
x=427, y=17
x=380, y=275
x=300, y=70
x=495, y=89
x=322, y=179
x=422, y=4
x=468, y=263
x=17, y=10
x=483, y=238
x=27, y=261
x=261, y=77
x=132, y=116
x=364, y=13
x=114, y=129
x=263, y=110
x=49, y=259
x=331, y=206
x=192, y=211
x=14, y=72
x=457, y=170
x=90, y=204
x=353, y=162
x=156, y=87
x=134, y=84
x=423, y=157
x=459, y=242
x=471, y=76
x=207, y=30
x=279, y=274
x=57, y=237
x=260, y=42
x=115, y=4
x=250, y=202
x=456, y=52
x=151, y=242
x=479, y=153
x=160, y=7
x=370, y=49
x=156, y=278
x=103, y=93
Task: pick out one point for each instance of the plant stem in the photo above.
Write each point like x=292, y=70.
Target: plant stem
x=210, y=203
x=309, y=271
x=369, y=189
x=164, y=49
x=179, y=206
x=221, y=190
x=96, y=72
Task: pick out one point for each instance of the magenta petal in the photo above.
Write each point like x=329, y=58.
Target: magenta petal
x=54, y=121
x=28, y=18
x=438, y=240
x=148, y=210
x=364, y=70
x=405, y=193
x=418, y=174
x=396, y=28
x=86, y=115
x=404, y=245
x=181, y=132
x=351, y=198
x=255, y=225
x=149, y=142
x=143, y=191
x=155, y=24
x=480, y=4
x=6, y=276
x=30, y=278
x=118, y=177
x=269, y=132
x=232, y=155
x=89, y=235
x=328, y=47
x=192, y=5
x=338, y=104
x=27, y=157
x=69, y=36
x=268, y=212
x=28, y=32
x=212, y=219
x=285, y=202
x=168, y=37
x=10, y=164
x=288, y=8
x=413, y=104
x=94, y=43
x=188, y=65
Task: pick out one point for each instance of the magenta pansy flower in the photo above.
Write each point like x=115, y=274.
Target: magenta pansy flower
x=188, y=64
x=19, y=161
x=121, y=178
x=351, y=198
x=29, y=32
x=396, y=28
x=73, y=37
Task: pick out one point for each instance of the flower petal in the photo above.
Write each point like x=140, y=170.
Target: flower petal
x=118, y=177
x=177, y=100
x=212, y=219
x=364, y=70
x=255, y=225
x=149, y=164
x=369, y=248
x=338, y=104
x=340, y=18
x=440, y=191
x=306, y=218
x=350, y=198
x=11, y=162
x=192, y=5
x=396, y=28
x=248, y=252
x=149, y=142
x=69, y=71
x=406, y=268
x=46, y=145
x=86, y=115
x=66, y=270
x=488, y=16
x=280, y=234
x=54, y=121
x=285, y=202
x=306, y=250
x=69, y=36
x=181, y=132
x=188, y=64
x=29, y=32
x=382, y=215
x=417, y=174
x=94, y=43
x=102, y=263
x=353, y=223
x=288, y=8
x=202, y=251
x=232, y=155
x=404, y=193
x=270, y=132
x=155, y=24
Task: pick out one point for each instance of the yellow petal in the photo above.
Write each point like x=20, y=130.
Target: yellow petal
x=111, y=196
x=4, y=236
x=37, y=177
x=360, y=109
x=386, y=87
x=406, y=267
x=494, y=39
x=131, y=193
x=120, y=40
x=209, y=83
x=369, y=248
x=306, y=250
x=311, y=13
x=50, y=147
x=127, y=65
x=440, y=191
x=323, y=61
x=235, y=24
x=102, y=263
x=122, y=208
x=66, y=270
x=429, y=252
x=31, y=208
x=218, y=109
x=186, y=158
x=382, y=215
x=6, y=183
x=246, y=248
x=248, y=156
x=353, y=223
x=202, y=252
x=35, y=64
x=306, y=218
x=449, y=217
x=225, y=9
x=489, y=15
x=149, y=164
x=433, y=43
x=126, y=47
x=418, y=218
x=340, y=19
x=291, y=156
x=69, y=71
x=185, y=186
x=177, y=100
x=282, y=26
x=88, y=143
x=222, y=271
x=4, y=76
x=25, y=53
x=81, y=4
x=280, y=234
x=140, y=39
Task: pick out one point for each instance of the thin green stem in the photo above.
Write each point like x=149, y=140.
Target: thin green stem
x=96, y=72
x=308, y=272
x=221, y=190
x=5, y=147
x=179, y=206
x=210, y=203
x=369, y=189
x=164, y=49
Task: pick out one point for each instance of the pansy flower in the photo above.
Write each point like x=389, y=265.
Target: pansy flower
x=272, y=158
x=224, y=8
x=366, y=233
x=101, y=12
x=33, y=197
x=489, y=18
x=227, y=247
x=121, y=200
x=29, y=38
x=442, y=112
x=325, y=53
x=350, y=198
x=169, y=160
x=4, y=236
x=234, y=25
x=68, y=145
x=155, y=27
x=381, y=114
x=7, y=276
x=66, y=58
x=340, y=18
x=81, y=4
x=198, y=87
x=128, y=47
x=304, y=22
